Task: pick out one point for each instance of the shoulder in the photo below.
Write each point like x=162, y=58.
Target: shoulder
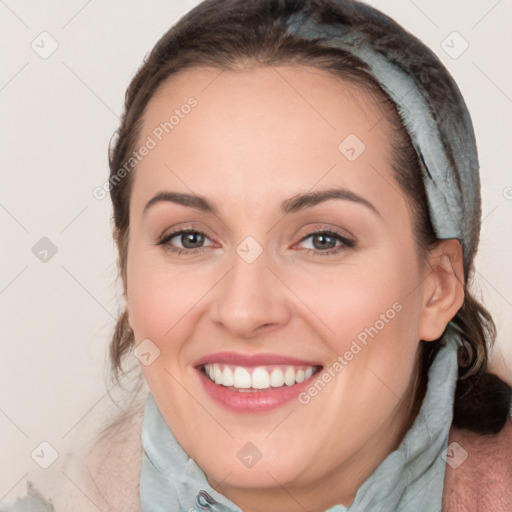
x=100, y=470
x=478, y=474
x=105, y=473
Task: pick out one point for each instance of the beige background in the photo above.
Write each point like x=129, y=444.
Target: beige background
x=57, y=115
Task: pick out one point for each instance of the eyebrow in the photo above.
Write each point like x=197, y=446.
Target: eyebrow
x=310, y=199
x=294, y=204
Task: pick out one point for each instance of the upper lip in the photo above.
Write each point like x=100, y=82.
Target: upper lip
x=264, y=359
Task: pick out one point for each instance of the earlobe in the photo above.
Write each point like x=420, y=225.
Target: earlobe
x=443, y=289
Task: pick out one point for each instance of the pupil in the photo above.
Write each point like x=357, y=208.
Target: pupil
x=189, y=237
x=324, y=238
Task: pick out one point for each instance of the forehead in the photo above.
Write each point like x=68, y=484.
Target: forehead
x=310, y=92
x=260, y=126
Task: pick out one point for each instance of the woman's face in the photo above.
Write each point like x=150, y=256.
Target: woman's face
x=278, y=281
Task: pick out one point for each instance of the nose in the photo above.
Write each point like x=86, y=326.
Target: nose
x=250, y=299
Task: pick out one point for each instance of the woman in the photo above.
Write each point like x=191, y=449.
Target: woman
x=296, y=207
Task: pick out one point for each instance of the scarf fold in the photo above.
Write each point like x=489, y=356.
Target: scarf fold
x=409, y=479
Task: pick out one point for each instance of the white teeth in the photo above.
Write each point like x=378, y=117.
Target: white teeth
x=277, y=378
x=227, y=376
x=217, y=374
x=241, y=378
x=289, y=376
x=259, y=377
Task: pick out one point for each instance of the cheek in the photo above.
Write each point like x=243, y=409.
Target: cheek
x=162, y=299
x=372, y=311
x=376, y=296
x=148, y=298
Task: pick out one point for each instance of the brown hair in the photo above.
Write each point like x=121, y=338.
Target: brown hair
x=234, y=34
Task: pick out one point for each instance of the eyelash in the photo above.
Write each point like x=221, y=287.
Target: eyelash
x=346, y=242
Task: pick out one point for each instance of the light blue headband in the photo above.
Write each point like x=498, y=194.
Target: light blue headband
x=429, y=103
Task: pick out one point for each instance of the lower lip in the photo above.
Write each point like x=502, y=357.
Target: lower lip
x=253, y=401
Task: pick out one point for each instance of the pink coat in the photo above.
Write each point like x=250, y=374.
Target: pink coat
x=483, y=482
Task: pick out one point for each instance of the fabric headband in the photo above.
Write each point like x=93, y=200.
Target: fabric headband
x=430, y=105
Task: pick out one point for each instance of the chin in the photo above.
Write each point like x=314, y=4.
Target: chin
x=250, y=468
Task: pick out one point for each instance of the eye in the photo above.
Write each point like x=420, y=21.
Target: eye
x=324, y=242
x=191, y=241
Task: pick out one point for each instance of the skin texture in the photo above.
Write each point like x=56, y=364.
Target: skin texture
x=257, y=137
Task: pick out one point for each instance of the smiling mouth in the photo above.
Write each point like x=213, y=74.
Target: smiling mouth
x=256, y=378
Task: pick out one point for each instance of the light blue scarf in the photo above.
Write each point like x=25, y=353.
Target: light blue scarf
x=409, y=479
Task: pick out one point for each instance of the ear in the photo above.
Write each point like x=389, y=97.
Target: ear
x=443, y=288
